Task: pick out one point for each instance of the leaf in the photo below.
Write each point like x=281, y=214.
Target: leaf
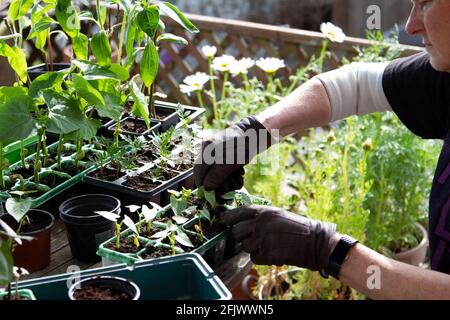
x=139, y=106
x=101, y=48
x=10, y=93
x=113, y=108
x=133, y=208
x=19, y=8
x=178, y=205
x=149, y=214
x=18, y=208
x=210, y=196
x=64, y=115
x=87, y=92
x=149, y=64
x=173, y=12
x=108, y=215
x=148, y=20
x=171, y=38
x=183, y=239
x=130, y=224
x=205, y=214
x=229, y=195
x=180, y=219
x=89, y=128
x=43, y=24
x=80, y=46
x=16, y=121
x=161, y=234
x=67, y=17
x=132, y=29
x=45, y=81
x=93, y=71
x=16, y=59
x=6, y=263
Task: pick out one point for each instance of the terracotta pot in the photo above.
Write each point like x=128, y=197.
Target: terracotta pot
x=33, y=255
x=416, y=255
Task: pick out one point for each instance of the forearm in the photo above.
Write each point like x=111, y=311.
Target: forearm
x=397, y=280
x=306, y=107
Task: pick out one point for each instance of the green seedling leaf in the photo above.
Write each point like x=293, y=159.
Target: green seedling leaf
x=229, y=195
x=87, y=91
x=210, y=196
x=6, y=263
x=80, y=46
x=16, y=59
x=139, y=107
x=178, y=205
x=174, y=13
x=108, y=215
x=205, y=214
x=16, y=121
x=45, y=81
x=19, y=8
x=171, y=38
x=148, y=20
x=183, y=239
x=130, y=224
x=43, y=24
x=101, y=48
x=150, y=214
x=92, y=71
x=10, y=93
x=18, y=208
x=67, y=17
x=180, y=219
x=149, y=64
x=133, y=208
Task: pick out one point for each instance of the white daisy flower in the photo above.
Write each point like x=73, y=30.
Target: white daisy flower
x=194, y=82
x=242, y=66
x=223, y=63
x=19, y=272
x=332, y=32
x=209, y=51
x=270, y=65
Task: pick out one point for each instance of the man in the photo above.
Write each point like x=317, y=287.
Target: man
x=417, y=89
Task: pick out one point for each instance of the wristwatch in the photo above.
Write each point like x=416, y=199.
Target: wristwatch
x=338, y=256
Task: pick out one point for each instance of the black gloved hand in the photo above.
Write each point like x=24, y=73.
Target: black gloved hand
x=220, y=165
x=274, y=236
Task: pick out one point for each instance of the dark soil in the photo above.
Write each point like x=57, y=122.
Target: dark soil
x=153, y=252
x=144, y=232
x=141, y=183
x=54, y=154
x=70, y=168
x=36, y=221
x=52, y=180
x=126, y=245
x=165, y=174
x=148, y=154
x=97, y=293
x=196, y=241
x=183, y=166
x=24, y=172
x=209, y=231
x=133, y=125
x=108, y=174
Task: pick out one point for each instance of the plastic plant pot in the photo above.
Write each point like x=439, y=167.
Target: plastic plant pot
x=23, y=293
x=33, y=255
x=168, y=116
x=11, y=152
x=116, y=285
x=155, y=126
x=86, y=229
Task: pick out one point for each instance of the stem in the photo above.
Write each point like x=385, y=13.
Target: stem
x=225, y=79
x=99, y=17
x=60, y=149
x=117, y=132
x=200, y=101
x=37, y=159
x=151, y=106
x=44, y=148
x=322, y=54
x=50, y=52
x=117, y=236
x=122, y=36
x=22, y=154
x=213, y=87
x=2, y=183
x=270, y=87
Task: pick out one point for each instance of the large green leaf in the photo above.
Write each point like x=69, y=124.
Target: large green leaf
x=148, y=20
x=16, y=59
x=19, y=8
x=16, y=121
x=149, y=64
x=67, y=17
x=80, y=46
x=93, y=71
x=114, y=106
x=174, y=13
x=64, y=115
x=87, y=92
x=45, y=81
x=18, y=208
x=171, y=38
x=10, y=93
x=101, y=48
x=6, y=263
x=87, y=131
x=132, y=29
x=140, y=106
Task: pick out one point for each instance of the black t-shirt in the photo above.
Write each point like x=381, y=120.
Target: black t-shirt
x=420, y=96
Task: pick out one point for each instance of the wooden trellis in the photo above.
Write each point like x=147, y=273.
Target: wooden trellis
x=246, y=39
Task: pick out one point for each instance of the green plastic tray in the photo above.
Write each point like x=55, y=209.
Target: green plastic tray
x=12, y=151
x=25, y=293
x=180, y=277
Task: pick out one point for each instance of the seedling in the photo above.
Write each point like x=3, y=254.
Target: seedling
x=146, y=214
x=126, y=220
x=175, y=234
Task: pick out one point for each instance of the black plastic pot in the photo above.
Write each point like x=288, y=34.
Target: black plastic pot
x=36, y=71
x=115, y=284
x=168, y=117
x=86, y=230
x=33, y=255
x=155, y=126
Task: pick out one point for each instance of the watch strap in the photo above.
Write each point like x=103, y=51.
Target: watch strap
x=338, y=256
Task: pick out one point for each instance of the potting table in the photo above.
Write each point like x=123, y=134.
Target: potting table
x=231, y=272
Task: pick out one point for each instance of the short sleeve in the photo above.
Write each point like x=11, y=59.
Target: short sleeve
x=419, y=95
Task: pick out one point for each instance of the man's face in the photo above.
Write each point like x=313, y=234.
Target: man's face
x=431, y=20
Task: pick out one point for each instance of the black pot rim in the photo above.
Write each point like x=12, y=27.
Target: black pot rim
x=96, y=277
x=31, y=233
x=86, y=196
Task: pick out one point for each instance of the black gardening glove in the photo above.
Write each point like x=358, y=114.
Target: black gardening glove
x=274, y=236
x=220, y=166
